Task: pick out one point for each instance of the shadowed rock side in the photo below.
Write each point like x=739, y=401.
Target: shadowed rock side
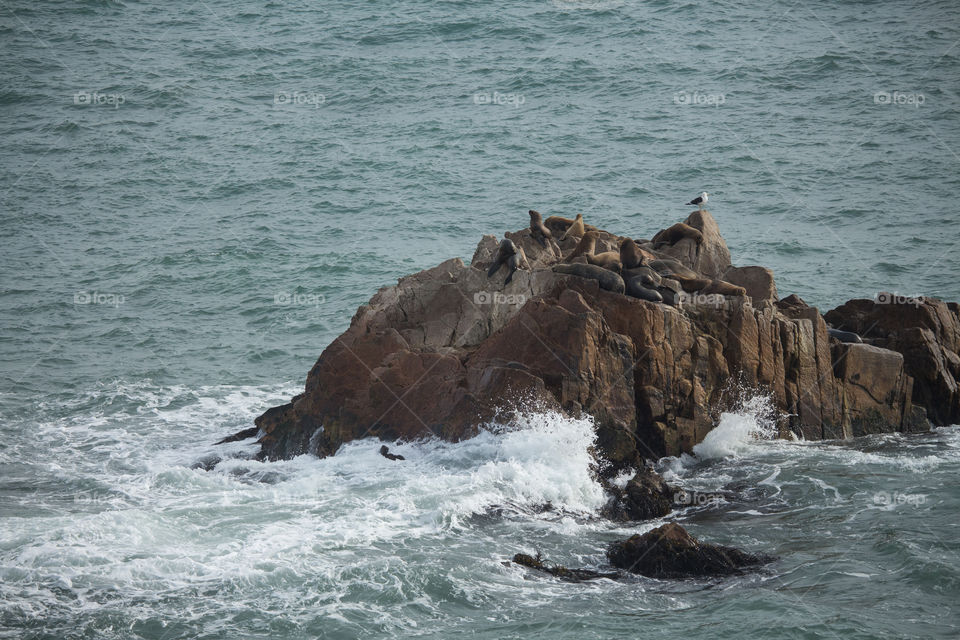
x=443, y=350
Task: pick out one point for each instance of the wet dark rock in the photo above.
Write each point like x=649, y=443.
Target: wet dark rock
x=670, y=552
x=207, y=463
x=646, y=496
x=558, y=571
x=241, y=435
x=385, y=452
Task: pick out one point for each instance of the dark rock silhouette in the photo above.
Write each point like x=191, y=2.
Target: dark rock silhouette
x=558, y=571
x=385, y=452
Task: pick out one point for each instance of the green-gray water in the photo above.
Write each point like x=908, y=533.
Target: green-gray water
x=196, y=197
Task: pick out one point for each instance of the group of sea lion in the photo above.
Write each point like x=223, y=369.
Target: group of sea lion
x=632, y=270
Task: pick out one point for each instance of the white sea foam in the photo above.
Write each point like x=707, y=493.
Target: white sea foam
x=738, y=432
x=134, y=514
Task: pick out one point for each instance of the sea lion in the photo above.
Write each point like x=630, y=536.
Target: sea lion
x=724, y=288
x=559, y=225
x=385, y=452
x=691, y=284
x=576, y=229
x=586, y=246
x=630, y=255
x=608, y=279
x=675, y=233
x=651, y=279
x=607, y=260
x=635, y=287
x=539, y=230
x=510, y=254
x=844, y=336
x=668, y=267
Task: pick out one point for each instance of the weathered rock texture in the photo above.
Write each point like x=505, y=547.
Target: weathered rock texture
x=443, y=350
x=926, y=332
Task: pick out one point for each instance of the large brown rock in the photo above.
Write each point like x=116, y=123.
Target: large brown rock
x=874, y=387
x=758, y=281
x=926, y=332
x=445, y=350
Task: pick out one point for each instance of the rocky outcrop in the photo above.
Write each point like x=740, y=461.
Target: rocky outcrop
x=926, y=332
x=445, y=350
x=670, y=552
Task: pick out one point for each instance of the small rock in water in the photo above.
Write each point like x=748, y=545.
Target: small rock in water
x=385, y=452
x=207, y=463
x=646, y=496
x=570, y=575
x=670, y=552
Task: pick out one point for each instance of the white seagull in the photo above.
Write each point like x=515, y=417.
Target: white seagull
x=700, y=200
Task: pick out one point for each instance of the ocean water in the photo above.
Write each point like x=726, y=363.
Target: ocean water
x=195, y=198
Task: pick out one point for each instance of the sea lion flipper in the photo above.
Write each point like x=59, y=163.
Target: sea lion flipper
x=510, y=277
x=493, y=268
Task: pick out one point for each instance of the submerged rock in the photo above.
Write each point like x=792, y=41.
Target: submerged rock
x=670, y=552
x=558, y=571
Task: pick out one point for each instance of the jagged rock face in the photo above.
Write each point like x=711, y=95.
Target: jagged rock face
x=927, y=334
x=670, y=552
x=444, y=350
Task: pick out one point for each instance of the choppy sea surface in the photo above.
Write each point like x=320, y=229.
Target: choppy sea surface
x=194, y=198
